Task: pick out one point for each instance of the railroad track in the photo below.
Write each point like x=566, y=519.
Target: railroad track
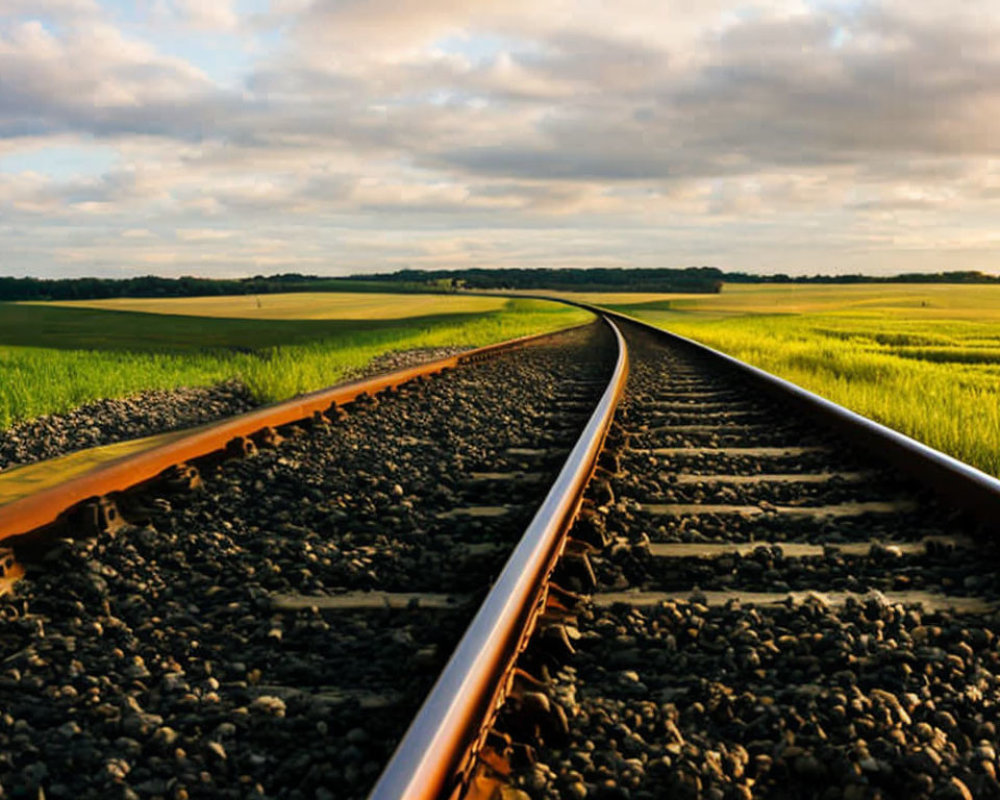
x=761, y=597
x=742, y=601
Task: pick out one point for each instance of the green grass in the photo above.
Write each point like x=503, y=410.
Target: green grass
x=54, y=359
x=924, y=360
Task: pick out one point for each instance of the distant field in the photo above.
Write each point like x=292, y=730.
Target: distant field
x=919, y=301
x=923, y=359
x=55, y=357
x=304, y=305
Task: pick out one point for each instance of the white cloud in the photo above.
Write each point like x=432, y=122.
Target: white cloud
x=92, y=80
x=213, y=15
x=203, y=234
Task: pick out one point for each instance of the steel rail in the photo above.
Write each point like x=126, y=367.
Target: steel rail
x=437, y=751
x=43, y=508
x=969, y=488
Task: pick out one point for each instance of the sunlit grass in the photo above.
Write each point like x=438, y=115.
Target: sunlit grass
x=56, y=359
x=924, y=360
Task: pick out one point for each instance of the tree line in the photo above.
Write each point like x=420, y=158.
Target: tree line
x=689, y=279
x=956, y=276
x=151, y=286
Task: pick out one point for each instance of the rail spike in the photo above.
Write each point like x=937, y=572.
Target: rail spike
x=94, y=517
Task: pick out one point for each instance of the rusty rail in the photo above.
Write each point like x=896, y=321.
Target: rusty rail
x=47, y=506
x=437, y=754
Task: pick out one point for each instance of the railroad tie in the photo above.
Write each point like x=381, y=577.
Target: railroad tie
x=755, y=452
x=507, y=477
x=482, y=512
x=728, y=412
x=688, y=478
x=328, y=695
x=811, y=512
x=363, y=601
x=677, y=398
x=803, y=550
x=930, y=601
x=722, y=428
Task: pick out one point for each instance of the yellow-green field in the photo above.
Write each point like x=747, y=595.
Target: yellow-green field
x=301, y=305
x=923, y=359
x=55, y=357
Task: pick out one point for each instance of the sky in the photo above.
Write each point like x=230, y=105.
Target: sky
x=241, y=137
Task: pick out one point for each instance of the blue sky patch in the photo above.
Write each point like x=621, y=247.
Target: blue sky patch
x=61, y=162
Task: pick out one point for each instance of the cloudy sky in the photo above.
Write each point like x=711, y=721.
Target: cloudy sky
x=235, y=137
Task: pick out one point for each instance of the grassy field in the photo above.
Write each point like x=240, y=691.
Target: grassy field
x=923, y=359
x=56, y=357
x=302, y=305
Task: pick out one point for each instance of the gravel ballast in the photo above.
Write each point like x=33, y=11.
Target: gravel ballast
x=109, y=421
x=164, y=660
